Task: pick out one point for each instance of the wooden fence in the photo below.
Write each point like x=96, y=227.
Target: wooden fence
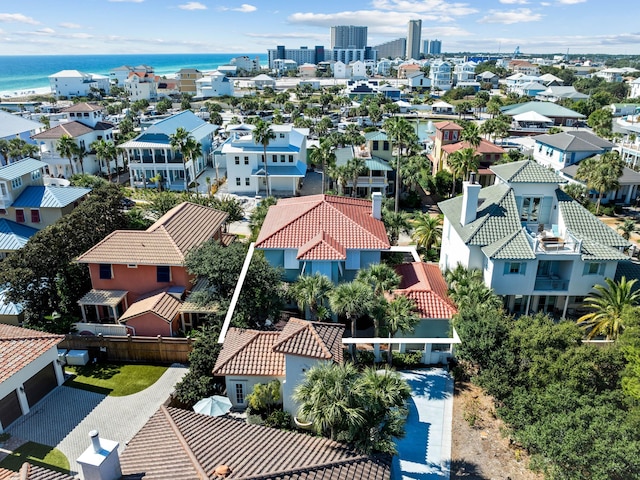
x=131, y=348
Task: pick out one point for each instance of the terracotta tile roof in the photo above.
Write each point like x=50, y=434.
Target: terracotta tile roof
x=200, y=443
x=322, y=247
x=295, y=221
x=424, y=283
x=166, y=242
x=311, y=339
x=446, y=125
x=253, y=352
x=164, y=305
x=20, y=346
x=485, y=147
x=249, y=352
x=83, y=107
x=33, y=472
x=70, y=129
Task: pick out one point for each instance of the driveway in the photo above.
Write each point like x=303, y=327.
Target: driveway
x=66, y=416
x=425, y=451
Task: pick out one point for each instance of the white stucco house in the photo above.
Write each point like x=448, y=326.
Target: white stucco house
x=251, y=357
x=635, y=88
x=286, y=161
x=73, y=83
x=142, y=86
x=215, y=85
x=29, y=370
x=536, y=247
x=440, y=75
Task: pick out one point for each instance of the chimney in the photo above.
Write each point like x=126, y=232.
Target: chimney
x=376, y=205
x=471, y=192
x=100, y=461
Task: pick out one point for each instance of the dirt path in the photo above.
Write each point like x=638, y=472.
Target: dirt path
x=479, y=451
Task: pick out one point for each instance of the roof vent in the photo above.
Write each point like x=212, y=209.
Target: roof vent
x=221, y=471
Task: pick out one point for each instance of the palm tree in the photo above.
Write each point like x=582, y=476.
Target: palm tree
x=401, y=316
x=4, y=150
x=311, y=292
x=353, y=300
x=340, y=174
x=80, y=153
x=105, y=152
x=325, y=156
x=627, y=228
x=427, y=230
x=462, y=162
x=263, y=134
x=66, y=148
x=357, y=167
x=180, y=143
x=601, y=173
x=395, y=223
x=382, y=279
x=471, y=134
x=401, y=134
x=610, y=306
x=327, y=399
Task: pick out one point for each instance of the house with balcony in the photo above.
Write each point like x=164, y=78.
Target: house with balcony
x=464, y=72
x=139, y=279
x=142, y=86
x=440, y=75
x=215, y=85
x=151, y=155
x=27, y=205
x=326, y=234
x=186, y=78
x=536, y=247
x=286, y=162
x=84, y=124
x=375, y=178
x=73, y=83
x=559, y=150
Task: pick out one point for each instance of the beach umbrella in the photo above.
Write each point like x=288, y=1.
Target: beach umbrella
x=213, y=406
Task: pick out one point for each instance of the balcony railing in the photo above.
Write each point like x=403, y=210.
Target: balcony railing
x=551, y=283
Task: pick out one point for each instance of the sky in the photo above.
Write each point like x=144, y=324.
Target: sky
x=68, y=27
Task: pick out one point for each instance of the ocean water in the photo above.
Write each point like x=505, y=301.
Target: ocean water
x=19, y=73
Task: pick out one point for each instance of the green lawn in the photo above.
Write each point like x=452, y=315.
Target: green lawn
x=114, y=379
x=36, y=454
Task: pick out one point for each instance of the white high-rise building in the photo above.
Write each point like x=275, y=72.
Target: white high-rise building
x=413, y=39
x=348, y=37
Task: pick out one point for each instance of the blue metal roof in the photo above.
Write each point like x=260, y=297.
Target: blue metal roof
x=297, y=170
x=9, y=308
x=21, y=167
x=13, y=236
x=49, y=197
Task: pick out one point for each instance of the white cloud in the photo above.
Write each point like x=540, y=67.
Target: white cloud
x=192, y=6
x=45, y=31
x=571, y=2
x=514, y=2
x=245, y=8
x=70, y=25
x=433, y=7
x=509, y=17
x=17, y=18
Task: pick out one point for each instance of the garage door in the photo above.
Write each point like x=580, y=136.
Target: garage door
x=40, y=384
x=9, y=409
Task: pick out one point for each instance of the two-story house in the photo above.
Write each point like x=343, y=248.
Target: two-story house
x=334, y=236
x=217, y=84
x=73, y=83
x=15, y=126
x=376, y=176
x=536, y=246
x=84, y=124
x=142, y=86
x=139, y=278
x=560, y=150
x=27, y=205
x=186, y=78
x=286, y=162
x=150, y=154
x=440, y=75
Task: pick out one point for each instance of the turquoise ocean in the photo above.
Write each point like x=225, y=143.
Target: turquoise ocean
x=18, y=73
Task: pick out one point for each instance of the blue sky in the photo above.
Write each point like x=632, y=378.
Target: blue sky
x=67, y=27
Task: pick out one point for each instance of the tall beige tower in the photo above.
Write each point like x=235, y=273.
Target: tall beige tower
x=413, y=39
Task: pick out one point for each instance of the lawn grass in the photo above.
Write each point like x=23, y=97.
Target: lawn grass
x=114, y=379
x=36, y=454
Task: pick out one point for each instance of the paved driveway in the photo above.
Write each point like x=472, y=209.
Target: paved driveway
x=66, y=416
x=425, y=452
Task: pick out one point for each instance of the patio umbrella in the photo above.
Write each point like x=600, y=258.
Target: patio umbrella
x=213, y=406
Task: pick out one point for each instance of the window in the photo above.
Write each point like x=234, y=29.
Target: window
x=247, y=181
x=454, y=136
x=237, y=160
x=515, y=268
x=238, y=181
x=290, y=158
x=3, y=189
x=375, y=144
x=35, y=216
x=282, y=158
x=105, y=271
x=530, y=209
x=239, y=393
x=246, y=160
x=446, y=134
x=385, y=146
x=262, y=157
x=593, y=268
x=35, y=175
x=282, y=135
x=163, y=274
x=274, y=158
x=16, y=183
x=19, y=215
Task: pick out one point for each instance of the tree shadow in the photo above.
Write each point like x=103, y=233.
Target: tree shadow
x=433, y=383
x=465, y=470
x=102, y=371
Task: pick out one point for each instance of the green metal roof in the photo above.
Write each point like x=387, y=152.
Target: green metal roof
x=526, y=171
x=515, y=247
x=376, y=163
x=379, y=135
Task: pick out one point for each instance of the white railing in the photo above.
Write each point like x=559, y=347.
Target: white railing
x=101, y=328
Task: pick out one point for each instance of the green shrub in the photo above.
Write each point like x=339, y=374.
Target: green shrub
x=407, y=360
x=265, y=397
x=278, y=419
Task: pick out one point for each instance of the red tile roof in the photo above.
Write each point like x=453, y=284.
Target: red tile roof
x=20, y=346
x=293, y=222
x=70, y=129
x=258, y=353
x=322, y=246
x=485, y=147
x=33, y=472
x=200, y=443
x=84, y=107
x=162, y=304
x=166, y=242
x=447, y=125
x=424, y=283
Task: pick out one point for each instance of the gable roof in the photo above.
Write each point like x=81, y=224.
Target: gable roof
x=570, y=142
x=162, y=304
x=20, y=346
x=251, y=452
x=13, y=235
x=21, y=167
x=12, y=125
x=71, y=129
x=547, y=109
x=259, y=353
x=35, y=196
x=322, y=246
x=166, y=242
x=526, y=171
x=424, y=283
x=447, y=125
x=485, y=147
x=293, y=222
x=84, y=107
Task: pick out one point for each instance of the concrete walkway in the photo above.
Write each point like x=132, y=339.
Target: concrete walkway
x=67, y=415
x=425, y=452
